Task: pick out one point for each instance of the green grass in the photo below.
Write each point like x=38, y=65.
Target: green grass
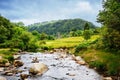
x=67, y=42
x=105, y=62
x=7, y=52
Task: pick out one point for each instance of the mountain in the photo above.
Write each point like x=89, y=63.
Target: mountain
x=60, y=26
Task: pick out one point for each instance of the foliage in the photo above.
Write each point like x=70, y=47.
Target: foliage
x=15, y=35
x=87, y=34
x=110, y=18
x=61, y=26
x=6, y=31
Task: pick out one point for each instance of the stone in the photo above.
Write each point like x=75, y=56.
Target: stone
x=16, y=57
x=78, y=58
x=38, y=69
x=7, y=64
x=2, y=78
x=24, y=76
x=18, y=63
x=107, y=78
x=1, y=69
x=81, y=62
x=70, y=74
x=9, y=74
x=35, y=60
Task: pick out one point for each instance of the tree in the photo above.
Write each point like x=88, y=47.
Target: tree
x=6, y=30
x=86, y=27
x=109, y=17
x=86, y=32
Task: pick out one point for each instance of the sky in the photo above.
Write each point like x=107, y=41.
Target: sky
x=33, y=11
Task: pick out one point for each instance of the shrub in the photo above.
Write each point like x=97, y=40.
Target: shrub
x=81, y=47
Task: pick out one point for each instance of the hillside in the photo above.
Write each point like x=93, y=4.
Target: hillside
x=60, y=26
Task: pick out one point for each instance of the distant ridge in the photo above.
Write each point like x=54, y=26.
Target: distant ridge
x=61, y=26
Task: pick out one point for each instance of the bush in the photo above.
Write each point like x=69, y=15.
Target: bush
x=32, y=47
x=81, y=47
x=99, y=65
x=45, y=48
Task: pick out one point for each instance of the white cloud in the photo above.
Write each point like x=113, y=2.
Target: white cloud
x=80, y=9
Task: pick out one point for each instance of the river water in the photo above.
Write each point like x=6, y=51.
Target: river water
x=59, y=68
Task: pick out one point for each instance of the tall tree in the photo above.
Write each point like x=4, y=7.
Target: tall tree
x=86, y=32
x=110, y=18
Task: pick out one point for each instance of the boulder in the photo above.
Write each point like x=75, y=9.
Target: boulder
x=38, y=69
x=2, y=78
x=18, y=63
x=16, y=57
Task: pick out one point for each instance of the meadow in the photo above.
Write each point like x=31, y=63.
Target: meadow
x=68, y=42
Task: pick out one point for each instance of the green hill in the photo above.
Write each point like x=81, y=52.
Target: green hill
x=60, y=26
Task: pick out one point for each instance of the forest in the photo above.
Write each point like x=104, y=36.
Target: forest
x=99, y=46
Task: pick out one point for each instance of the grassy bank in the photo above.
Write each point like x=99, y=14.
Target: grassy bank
x=105, y=62
x=7, y=54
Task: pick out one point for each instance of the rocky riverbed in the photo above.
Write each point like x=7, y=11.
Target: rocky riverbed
x=55, y=66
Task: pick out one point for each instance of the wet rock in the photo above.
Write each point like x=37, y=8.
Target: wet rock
x=70, y=74
x=81, y=62
x=73, y=57
x=8, y=73
x=78, y=58
x=2, y=78
x=1, y=69
x=18, y=63
x=38, y=69
x=24, y=76
x=35, y=60
x=107, y=78
x=7, y=64
x=16, y=57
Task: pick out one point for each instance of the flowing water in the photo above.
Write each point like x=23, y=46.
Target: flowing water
x=59, y=68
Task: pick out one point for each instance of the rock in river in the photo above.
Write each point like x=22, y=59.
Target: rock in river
x=18, y=63
x=38, y=68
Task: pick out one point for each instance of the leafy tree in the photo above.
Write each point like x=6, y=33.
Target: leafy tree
x=110, y=18
x=86, y=27
x=6, y=30
x=43, y=36
x=86, y=32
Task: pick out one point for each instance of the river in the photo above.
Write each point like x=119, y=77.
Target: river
x=64, y=68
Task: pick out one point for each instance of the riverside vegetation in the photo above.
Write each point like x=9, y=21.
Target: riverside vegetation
x=98, y=46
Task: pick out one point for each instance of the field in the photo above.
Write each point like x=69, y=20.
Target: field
x=68, y=42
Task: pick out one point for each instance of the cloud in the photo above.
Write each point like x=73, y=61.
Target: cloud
x=32, y=11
